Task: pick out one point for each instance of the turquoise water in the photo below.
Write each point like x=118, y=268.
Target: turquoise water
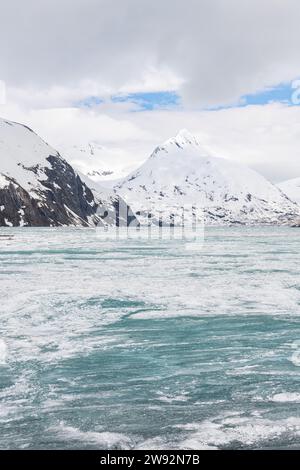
x=133, y=344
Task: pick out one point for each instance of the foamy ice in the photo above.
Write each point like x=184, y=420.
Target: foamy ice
x=3, y=352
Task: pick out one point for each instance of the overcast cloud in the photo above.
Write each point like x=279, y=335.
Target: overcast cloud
x=217, y=49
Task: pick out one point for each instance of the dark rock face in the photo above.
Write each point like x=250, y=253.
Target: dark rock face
x=61, y=198
x=67, y=197
x=17, y=207
x=115, y=212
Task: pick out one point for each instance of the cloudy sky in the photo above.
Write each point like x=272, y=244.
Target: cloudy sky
x=130, y=73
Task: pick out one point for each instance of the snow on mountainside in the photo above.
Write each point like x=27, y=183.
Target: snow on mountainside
x=291, y=188
x=91, y=160
x=38, y=187
x=114, y=209
x=181, y=173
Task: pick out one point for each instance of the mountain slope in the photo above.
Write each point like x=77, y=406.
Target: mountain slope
x=291, y=188
x=111, y=206
x=91, y=159
x=40, y=188
x=182, y=173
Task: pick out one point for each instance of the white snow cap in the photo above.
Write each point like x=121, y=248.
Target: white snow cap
x=20, y=150
x=185, y=137
x=183, y=145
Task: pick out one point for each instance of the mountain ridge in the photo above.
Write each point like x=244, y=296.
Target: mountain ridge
x=38, y=187
x=291, y=188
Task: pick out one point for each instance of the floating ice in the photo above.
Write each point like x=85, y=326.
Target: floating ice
x=287, y=398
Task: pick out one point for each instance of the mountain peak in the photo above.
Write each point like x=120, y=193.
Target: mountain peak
x=183, y=138
x=185, y=134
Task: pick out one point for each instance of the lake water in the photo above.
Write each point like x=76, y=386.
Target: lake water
x=135, y=344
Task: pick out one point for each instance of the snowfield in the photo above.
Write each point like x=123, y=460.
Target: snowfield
x=21, y=150
x=291, y=188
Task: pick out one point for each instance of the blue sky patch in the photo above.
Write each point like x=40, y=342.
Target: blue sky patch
x=89, y=102
x=286, y=93
x=144, y=101
x=282, y=93
x=151, y=100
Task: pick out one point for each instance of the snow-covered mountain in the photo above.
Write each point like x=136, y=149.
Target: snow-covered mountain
x=291, y=188
x=40, y=188
x=181, y=173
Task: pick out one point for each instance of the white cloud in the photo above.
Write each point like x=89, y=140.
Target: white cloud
x=213, y=51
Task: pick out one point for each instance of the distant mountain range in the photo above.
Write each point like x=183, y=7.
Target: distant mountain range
x=91, y=159
x=38, y=187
